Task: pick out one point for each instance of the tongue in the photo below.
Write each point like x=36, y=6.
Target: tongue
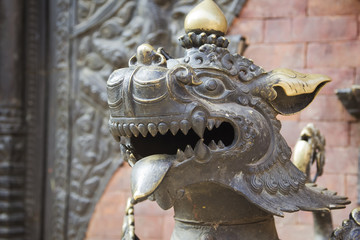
x=148, y=173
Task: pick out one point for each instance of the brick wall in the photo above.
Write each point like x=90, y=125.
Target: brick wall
x=318, y=36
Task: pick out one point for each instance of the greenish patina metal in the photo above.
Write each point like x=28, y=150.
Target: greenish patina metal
x=202, y=136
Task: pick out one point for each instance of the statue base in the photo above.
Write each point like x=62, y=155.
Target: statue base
x=264, y=230
x=208, y=211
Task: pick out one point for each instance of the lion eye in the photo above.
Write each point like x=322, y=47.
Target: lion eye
x=211, y=85
x=211, y=88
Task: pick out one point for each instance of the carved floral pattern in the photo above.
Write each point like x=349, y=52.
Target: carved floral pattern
x=95, y=156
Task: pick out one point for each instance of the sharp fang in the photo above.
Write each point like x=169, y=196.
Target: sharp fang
x=180, y=155
x=143, y=130
x=218, y=123
x=221, y=144
x=201, y=150
x=132, y=160
x=152, y=129
x=174, y=128
x=121, y=130
x=134, y=129
x=210, y=124
x=127, y=129
x=198, y=124
x=185, y=126
x=212, y=145
x=163, y=128
x=189, y=152
x=128, y=152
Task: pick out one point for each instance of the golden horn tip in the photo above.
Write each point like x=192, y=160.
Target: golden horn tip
x=206, y=17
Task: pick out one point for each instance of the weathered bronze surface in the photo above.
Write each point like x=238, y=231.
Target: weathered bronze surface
x=202, y=136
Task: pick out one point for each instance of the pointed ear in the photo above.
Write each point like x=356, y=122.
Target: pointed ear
x=294, y=91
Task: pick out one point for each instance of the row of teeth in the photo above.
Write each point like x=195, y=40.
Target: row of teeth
x=198, y=124
x=201, y=151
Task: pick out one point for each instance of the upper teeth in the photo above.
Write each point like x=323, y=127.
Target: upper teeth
x=152, y=129
x=143, y=129
x=134, y=129
x=210, y=124
x=198, y=123
x=185, y=126
x=174, y=127
x=163, y=128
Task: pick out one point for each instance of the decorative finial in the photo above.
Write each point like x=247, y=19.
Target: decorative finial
x=206, y=17
x=205, y=24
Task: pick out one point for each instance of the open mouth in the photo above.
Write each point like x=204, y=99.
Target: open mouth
x=184, y=139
